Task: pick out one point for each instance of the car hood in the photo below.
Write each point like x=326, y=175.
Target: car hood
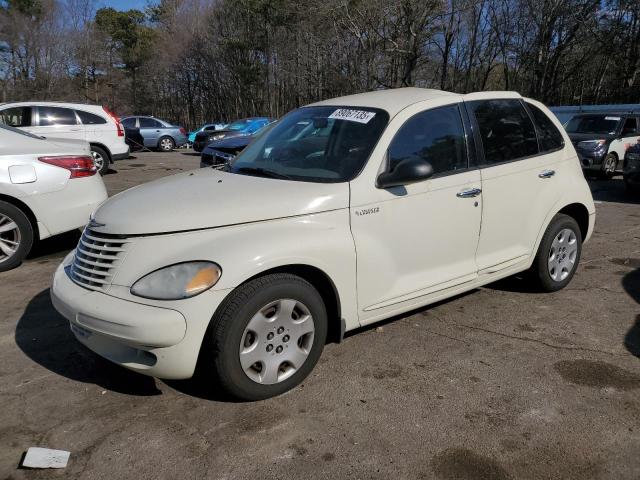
x=209, y=198
x=227, y=134
x=238, y=142
x=581, y=137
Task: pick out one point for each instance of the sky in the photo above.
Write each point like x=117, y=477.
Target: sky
x=124, y=4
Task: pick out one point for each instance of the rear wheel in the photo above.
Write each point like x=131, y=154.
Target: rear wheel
x=16, y=236
x=166, y=144
x=558, y=255
x=267, y=336
x=100, y=159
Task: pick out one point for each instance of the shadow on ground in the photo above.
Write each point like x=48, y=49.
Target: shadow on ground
x=612, y=190
x=44, y=336
x=62, y=243
x=631, y=285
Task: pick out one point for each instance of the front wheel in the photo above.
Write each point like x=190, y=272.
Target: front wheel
x=267, y=336
x=558, y=255
x=609, y=165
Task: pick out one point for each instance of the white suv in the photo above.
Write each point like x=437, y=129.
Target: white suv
x=93, y=124
x=411, y=196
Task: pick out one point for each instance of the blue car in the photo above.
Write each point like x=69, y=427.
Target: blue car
x=156, y=133
x=244, y=127
x=207, y=127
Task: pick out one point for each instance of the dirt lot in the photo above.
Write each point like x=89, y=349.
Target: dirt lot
x=498, y=383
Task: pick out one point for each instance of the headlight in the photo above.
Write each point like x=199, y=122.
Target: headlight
x=213, y=138
x=592, y=144
x=183, y=280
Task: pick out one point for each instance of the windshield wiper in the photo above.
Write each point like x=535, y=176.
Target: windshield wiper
x=263, y=173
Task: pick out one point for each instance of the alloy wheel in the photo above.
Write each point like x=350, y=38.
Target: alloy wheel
x=166, y=144
x=98, y=160
x=277, y=341
x=9, y=237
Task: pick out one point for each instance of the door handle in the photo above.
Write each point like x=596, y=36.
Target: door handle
x=469, y=192
x=547, y=173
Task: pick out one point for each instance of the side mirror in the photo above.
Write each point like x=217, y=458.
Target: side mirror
x=409, y=170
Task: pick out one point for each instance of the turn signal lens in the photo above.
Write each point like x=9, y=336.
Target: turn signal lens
x=202, y=280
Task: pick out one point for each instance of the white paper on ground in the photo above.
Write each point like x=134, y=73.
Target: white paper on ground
x=37, y=457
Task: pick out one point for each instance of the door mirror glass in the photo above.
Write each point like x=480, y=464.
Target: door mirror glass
x=410, y=170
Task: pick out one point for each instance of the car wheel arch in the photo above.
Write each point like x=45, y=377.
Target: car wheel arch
x=26, y=210
x=322, y=282
x=103, y=147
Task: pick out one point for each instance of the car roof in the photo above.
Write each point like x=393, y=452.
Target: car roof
x=397, y=99
x=33, y=103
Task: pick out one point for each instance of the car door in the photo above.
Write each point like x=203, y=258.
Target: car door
x=150, y=131
x=58, y=122
x=521, y=182
x=629, y=135
x=415, y=240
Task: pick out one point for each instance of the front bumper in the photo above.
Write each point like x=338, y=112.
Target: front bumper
x=149, y=339
x=590, y=160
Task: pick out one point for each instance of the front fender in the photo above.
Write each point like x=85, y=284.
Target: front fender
x=321, y=240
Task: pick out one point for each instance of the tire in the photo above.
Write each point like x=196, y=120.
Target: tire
x=15, y=244
x=101, y=159
x=230, y=336
x=553, y=270
x=608, y=168
x=166, y=144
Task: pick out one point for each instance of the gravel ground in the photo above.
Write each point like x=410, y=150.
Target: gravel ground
x=498, y=383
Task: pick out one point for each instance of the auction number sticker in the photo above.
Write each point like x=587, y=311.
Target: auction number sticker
x=360, y=116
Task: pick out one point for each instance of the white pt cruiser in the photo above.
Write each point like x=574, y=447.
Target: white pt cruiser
x=343, y=213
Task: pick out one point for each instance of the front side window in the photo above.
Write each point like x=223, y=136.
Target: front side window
x=506, y=130
x=598, y=124
x=16, y=116
x=314, y=144
x=89, y=118
x=54, y=116
x=549, y=136
x=149, y=123
x=436, y=136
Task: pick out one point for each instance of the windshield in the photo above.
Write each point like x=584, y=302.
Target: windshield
x=21, y=132
x=314, y=144
x=601, y=124
x=238, y=125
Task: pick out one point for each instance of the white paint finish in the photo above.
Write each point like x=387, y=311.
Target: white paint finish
x=58, y=203
x=105, y=134
x=22, y=174
x=385, y=251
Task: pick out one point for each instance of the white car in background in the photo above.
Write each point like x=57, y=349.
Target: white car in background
x=91, y=123
x=47, y=186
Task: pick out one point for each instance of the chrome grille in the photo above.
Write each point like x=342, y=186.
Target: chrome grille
x=96, y=259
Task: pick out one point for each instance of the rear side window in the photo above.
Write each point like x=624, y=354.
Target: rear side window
x=506, y=130
x=89, y=118
x=16, y=116
x=129, y=122
x=435, y=135
x=56, y=116
x=149, y=123
x=549, y=136
x=630, y=127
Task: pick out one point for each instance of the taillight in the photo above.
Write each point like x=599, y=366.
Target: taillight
x=115, y=119
x=183, y=131
x=79, y=166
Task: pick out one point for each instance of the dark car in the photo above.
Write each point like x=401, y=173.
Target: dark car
x=223, y=151
x=601, y=140
x=631, y=168
x=239, y=128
